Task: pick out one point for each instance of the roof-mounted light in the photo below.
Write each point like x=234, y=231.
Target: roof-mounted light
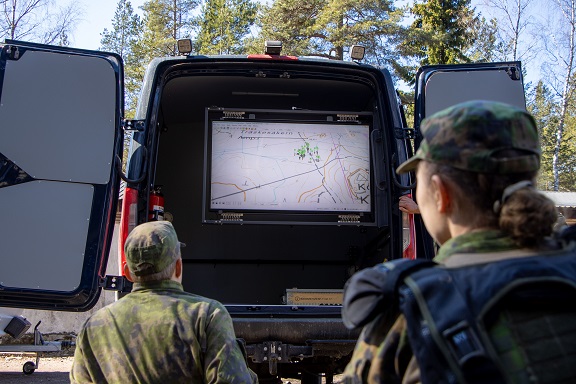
x=184, y=46
x=272, y=47
x=357, y=52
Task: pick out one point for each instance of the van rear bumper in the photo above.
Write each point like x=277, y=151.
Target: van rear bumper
x=294, y=331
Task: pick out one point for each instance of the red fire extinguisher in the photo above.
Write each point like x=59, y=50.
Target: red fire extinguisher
x=156, y=207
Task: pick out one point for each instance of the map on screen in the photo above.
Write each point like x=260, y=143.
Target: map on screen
x=290, y=166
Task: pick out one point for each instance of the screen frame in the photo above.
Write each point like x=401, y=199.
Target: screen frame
x=278, y=216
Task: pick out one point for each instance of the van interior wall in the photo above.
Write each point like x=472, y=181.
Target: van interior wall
x=250, y=263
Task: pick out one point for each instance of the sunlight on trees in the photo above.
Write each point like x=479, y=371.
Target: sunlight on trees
x=401, y=36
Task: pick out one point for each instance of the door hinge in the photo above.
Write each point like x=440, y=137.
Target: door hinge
x=514, y=73
x=405, y=133
x=133, y=125
x=116, y=283
x=13, y=52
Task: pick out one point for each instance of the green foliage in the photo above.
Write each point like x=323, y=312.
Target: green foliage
x=567, y=166
x=328, y=27
x=546, y=111
x=222, y=26
x=443, y=32
x=126, y=29
x=448, y=22
x=292, y=23
x=486, y=47
x=165, y=21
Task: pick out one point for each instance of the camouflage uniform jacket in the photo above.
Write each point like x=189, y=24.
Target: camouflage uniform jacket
x=160, y=334
x=382, y=353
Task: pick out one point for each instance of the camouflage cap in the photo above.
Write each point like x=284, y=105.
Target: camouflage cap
x=469, y=135
x=154, y=243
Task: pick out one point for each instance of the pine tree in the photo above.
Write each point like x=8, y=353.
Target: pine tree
x=292, y=23
x=222, y=26
x=547, y=113
x=328, y=27
x=165, y=21
x=126, y=29
x=445, y=31
x=126, y=26
x=542, y=106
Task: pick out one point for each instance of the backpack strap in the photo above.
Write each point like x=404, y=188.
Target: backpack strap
x=372, y=291
x=445, y=309
x=446, y=351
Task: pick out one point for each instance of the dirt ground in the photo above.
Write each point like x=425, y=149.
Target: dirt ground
x=52, y=368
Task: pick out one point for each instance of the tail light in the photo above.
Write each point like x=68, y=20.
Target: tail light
x=128, y=220
x=408, y=236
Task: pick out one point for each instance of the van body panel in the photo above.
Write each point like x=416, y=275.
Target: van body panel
x=60, y=110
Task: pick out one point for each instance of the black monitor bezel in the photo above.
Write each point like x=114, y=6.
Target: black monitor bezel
x=286, y=217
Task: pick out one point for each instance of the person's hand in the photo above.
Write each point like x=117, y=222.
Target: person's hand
x=408, y=205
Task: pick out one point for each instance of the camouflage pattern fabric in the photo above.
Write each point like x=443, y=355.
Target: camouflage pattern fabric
x=382, y=353
x=471, y=135
x=151, y=247
x=160, y=334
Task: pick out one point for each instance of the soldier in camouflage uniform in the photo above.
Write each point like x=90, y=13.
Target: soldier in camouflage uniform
x=475, y=170
x=158, y=333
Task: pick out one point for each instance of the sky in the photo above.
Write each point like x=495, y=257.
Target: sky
x=97, y=15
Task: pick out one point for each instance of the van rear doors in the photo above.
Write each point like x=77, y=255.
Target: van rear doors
x=60, y=113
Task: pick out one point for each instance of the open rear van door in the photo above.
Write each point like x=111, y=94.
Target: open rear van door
x=60, y=118
x=441, y=86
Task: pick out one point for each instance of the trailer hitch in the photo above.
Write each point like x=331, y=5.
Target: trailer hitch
x=275, y=352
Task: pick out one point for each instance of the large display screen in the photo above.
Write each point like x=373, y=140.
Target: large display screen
x=288, y=165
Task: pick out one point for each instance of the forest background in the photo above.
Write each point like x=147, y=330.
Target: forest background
x=398, y=35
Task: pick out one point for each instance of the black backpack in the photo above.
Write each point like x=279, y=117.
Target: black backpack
x=449, y=311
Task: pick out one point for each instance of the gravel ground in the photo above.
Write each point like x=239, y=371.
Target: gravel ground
x=52, y=369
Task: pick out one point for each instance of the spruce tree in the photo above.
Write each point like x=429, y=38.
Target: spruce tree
x=222, y=26
x=445, y=24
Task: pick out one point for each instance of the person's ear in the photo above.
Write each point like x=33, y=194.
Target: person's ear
x=442, y=195
x=178, y=269
x=127, y=272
